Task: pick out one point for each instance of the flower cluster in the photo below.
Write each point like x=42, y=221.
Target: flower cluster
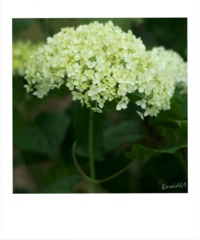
x=21, y=54
x=100, y=63
x=173, y=64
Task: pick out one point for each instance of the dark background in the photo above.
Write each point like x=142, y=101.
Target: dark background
x=48, y=167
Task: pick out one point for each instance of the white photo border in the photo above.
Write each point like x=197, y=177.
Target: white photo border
x=70, y=216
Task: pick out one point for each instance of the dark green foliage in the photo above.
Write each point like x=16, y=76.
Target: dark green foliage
x=168, y=32
x=18, y=120
x=20, y=25
x=164, y=167
x=172, y=117
x=45, y=136
x=138, y=151
x=126, y=131
x=65, y=185
x=19, y=89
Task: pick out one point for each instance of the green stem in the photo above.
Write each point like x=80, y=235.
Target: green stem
x=117, y=174
x=91, y=154
x=76, y=163
x=102, y=180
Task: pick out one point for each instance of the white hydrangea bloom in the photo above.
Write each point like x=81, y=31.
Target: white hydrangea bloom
x=100, y=63
x=21, y=52
x=173, y=64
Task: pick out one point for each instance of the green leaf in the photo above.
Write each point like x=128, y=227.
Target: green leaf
x=182, y=100
x=135, y=96
x=46, y=136
x=172, y=124
x=171, y=118
x=174, y=135
x=166, y=122
x=139, y=151
x=126, y=131
x=173, y=113
x=81, y=129
x=178, y=96
x=65, y=185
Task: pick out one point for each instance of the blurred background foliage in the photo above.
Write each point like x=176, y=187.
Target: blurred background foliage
x=45, y=129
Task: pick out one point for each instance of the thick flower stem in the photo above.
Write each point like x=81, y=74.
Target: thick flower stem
x=91, y=154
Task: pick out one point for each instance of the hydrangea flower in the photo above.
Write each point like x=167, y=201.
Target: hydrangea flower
x=100, y=63
x=173, y=64
x=21, y=54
